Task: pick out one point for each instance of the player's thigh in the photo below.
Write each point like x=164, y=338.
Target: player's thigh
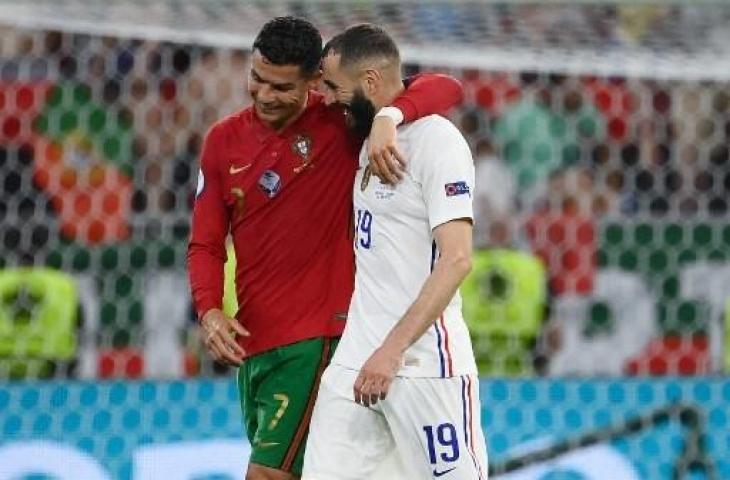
x=260, y=472
x=392, y=467
x=436, y=423
x=278, y=391
x=346, y=441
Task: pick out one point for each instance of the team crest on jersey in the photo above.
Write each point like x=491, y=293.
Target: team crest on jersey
x=302, y=146
x=365, y=178
x=270, y=183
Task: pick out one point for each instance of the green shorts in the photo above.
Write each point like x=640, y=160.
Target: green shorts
x=278, y=389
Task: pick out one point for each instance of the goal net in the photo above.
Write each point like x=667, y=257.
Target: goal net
x=599, y=130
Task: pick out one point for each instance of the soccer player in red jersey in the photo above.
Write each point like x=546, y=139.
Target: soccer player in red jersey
x=279, y=176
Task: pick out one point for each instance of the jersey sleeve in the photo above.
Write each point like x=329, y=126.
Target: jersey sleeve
x=445, y=170
x=210, y=225
x=428, y=94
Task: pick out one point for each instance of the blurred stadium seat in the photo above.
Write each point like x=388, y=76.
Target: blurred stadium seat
x=40, y=315
x=598, y=334
x=505, y=301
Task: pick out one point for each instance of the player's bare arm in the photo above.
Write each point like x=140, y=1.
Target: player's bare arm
x=454, y=241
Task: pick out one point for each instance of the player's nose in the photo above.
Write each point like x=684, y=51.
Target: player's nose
x=264, y=94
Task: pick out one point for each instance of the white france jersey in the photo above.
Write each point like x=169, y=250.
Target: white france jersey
x=395, y=250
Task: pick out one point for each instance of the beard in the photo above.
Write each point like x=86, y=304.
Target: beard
x=361, y=113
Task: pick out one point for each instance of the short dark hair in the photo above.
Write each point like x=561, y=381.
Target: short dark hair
x=290, y=41
x=362, y=42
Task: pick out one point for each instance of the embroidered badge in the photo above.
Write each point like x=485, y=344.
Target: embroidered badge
x=456, y=188
x=270, y=183
x=302, y=146
x=365, y=178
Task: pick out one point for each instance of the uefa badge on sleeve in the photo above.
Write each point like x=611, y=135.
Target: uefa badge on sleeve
x=270, y=183
x=457, y=188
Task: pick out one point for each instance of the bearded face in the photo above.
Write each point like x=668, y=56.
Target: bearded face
x=360, y=114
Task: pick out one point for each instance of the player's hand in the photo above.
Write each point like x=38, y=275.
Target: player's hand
x=386, y=161
x=219, y=333
x=376, y=376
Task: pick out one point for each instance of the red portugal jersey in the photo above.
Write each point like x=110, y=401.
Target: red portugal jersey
x=286, y=199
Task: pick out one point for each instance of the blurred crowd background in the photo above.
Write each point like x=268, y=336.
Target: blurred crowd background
x=602, y=201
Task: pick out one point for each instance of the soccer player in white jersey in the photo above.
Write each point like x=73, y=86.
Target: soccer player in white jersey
x=403, y=378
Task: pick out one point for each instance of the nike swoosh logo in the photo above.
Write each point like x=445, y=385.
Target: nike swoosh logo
x=437, y=474
x=234, y=170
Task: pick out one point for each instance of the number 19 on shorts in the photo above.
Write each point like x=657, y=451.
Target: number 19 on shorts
x=442, y=444
x=363, y=229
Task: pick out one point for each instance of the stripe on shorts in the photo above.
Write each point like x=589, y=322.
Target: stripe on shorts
x=298, y=440
x=466, y=403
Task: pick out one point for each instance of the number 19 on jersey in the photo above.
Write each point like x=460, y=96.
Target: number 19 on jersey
x=363, y=229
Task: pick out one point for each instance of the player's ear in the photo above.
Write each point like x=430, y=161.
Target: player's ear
x=371, y=81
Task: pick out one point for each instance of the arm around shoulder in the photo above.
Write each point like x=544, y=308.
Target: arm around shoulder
x=429, y=94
